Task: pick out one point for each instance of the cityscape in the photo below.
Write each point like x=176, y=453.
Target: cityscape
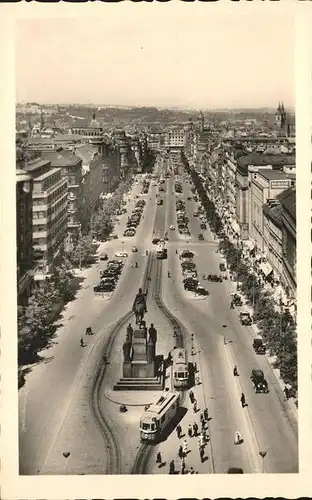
x=156, y=273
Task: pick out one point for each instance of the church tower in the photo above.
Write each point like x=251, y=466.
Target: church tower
x=280, y=116
x=201, y=121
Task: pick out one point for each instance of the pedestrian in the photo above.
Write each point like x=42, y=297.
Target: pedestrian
x=158, y=458
x=195, y=368
x=202, y=417
x=195, y=406
x=190, y=431
x=202, y=454
x=195, y=428
x=203, y=423
x=176, y=251
x=199, y=442
x=185, y=447
x=286, y=392
x=202, y=440
x=81, y=342
x=171, y=467
x=192, y=470
x=204, y=433
x=235, y=371
x=179, y=431
x=180, y=452
x=243, y=400
x=237, y=438
x=191, y=395
x=183, y=467
x=197, y=381
x=206, y=415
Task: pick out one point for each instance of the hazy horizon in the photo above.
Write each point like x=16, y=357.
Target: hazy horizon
x=211, y=62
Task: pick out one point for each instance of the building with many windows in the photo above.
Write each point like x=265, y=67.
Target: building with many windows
x=174, y=138
x=24, y=244
x=288, y=220
x=49, y=199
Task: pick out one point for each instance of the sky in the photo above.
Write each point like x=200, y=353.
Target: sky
x=192, y=59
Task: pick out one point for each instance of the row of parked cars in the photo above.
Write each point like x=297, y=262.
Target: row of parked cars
x=182, y=218
x=145, y=186
x=134, y=219
x=189, y=271
x=109, y=276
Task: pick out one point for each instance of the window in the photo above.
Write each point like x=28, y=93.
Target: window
x=146, y=427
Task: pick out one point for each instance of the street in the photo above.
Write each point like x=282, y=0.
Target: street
x=54, y=412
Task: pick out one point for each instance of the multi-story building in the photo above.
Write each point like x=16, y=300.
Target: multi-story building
x=24, y=244
x=288, y=220
x=272, y=234
x=71, y=166
x=265, y=184
x=126, y=158
x=93, y=181
x=93, y=134
x=49, y=198
x=255, y=162
x=174, y=138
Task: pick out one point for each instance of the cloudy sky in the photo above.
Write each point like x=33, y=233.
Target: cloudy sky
x=179, y=57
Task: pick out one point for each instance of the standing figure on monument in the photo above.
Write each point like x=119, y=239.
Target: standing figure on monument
x=152, y=334
x=129, y=333
x=126, y=351
x=139, y=306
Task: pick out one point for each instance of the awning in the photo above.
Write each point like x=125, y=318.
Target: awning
x=266, y=268
x=235, y=227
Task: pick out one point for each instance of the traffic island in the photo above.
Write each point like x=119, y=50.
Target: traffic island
x=142, y=369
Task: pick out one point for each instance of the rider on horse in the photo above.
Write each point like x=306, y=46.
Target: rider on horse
x=139, y=304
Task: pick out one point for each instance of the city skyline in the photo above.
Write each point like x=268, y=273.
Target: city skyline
x=128, y=64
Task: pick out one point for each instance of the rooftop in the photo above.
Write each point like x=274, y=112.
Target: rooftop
x=85, y=152
x=61, y=158
x=288, y=201
x=32, y=165
x=272, y=174
x=273, y=212
x=262, y=160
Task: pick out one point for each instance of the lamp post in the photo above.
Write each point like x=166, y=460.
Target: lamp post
x=262, y=455
x=66, y=454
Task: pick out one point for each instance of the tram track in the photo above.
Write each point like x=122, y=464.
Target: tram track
x=145, y=450
x=114, y=460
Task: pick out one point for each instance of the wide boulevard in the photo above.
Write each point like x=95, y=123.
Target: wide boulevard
x=266, y=423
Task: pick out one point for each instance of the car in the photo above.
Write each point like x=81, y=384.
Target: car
x=245, y=318
x=258, y=346
x=188, y=265
x=134, y=249
x=222, y=267
x=203, y=225
x=187, y=254
x=235, y=470
x=103, y=287
x=200, y=236
x=215, y=278
x=103, y=256
x=189, y=198
x=121, y=254
x=201, y=290
x=155, y=240
x=190, y=286
x=114, y=264
x=259, y=382
x=114, y=236
x=129, y=232
x=172, y=228
x=160, y=202
x=237, y=299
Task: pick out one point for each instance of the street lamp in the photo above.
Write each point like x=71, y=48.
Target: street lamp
x=262, y=455
x=66, y=454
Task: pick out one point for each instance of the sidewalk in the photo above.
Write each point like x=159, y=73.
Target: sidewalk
x=292, y=408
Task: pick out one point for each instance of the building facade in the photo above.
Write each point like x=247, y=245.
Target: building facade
x=288, y=220
x=24, y=243
x=49, y=199
x=174, y=138
x=272, y=235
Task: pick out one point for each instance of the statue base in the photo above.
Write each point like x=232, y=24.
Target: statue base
x=142, y=376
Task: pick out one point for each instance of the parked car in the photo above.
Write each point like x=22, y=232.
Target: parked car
x=172, y=228
x=160, y=202
x=103, y=256
x=134, y=249
x=235, y=470
x=200, y=236
x=258, y=346
x=155, y=240
x=121, y=254
x=187, y=254
x=201, y=290
x=245, y=318
x=203, y=225
x=215, y=278
x=103, y=287
x=222, y=267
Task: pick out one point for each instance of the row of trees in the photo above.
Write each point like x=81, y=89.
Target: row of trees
x=277, y=327
x=35, y=321
x=35, y=328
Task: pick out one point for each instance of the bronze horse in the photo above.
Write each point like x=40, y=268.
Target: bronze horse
x=139, y=306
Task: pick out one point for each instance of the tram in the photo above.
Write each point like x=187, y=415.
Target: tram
x=161, y=251
x=180, y=372
x=156, y=418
